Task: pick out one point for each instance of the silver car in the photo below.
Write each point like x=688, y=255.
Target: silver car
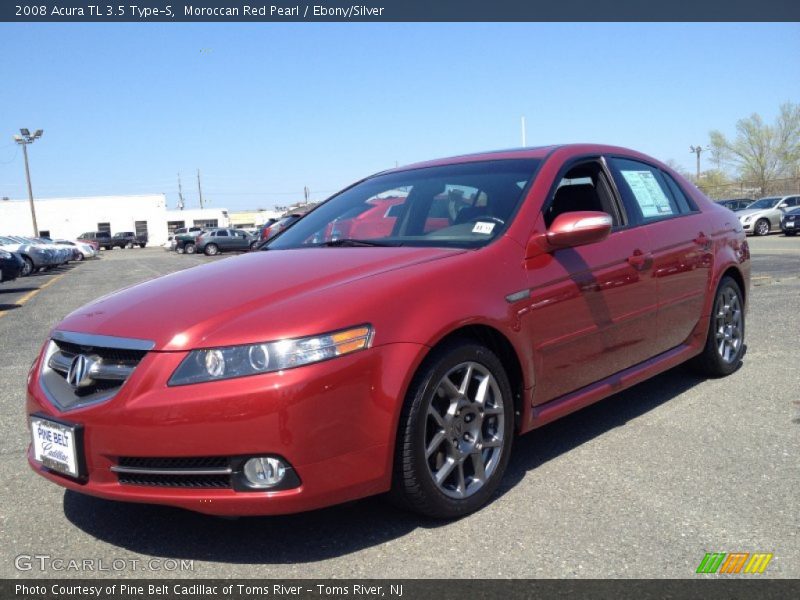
x=764, y=215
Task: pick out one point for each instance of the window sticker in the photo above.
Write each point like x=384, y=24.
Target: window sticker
x=484, y=228
x=648, y=193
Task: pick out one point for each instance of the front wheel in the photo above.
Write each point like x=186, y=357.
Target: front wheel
x=190, y=248
x=455, y=432
x=761, y=227
x=724, y=348
x=211, y=250
x=27, y=267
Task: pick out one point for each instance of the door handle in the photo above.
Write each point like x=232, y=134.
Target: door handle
x=638, y=260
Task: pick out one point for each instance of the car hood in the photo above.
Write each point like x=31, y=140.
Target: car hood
x=193, y=307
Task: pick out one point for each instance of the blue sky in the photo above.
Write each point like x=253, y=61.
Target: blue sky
x=263, y=110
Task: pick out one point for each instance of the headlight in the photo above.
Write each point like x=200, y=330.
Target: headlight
x=4, y=254
x=746, y=219
x=214, y=364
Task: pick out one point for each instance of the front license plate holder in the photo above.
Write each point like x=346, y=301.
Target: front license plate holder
x=58, y=445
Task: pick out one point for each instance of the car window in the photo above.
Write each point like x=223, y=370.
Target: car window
x=460, y=205
x=644, y=189
x=220, y=233
x=583, y=187
x=685, y=204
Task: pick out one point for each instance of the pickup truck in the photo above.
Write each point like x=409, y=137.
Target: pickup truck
x=128, y=239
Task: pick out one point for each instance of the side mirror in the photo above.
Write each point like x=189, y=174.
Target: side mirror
x=782, y=205
x=578, y=228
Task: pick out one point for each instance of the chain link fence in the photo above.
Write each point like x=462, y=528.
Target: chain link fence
x=749, y=189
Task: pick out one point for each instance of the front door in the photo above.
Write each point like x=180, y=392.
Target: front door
x=593, y=307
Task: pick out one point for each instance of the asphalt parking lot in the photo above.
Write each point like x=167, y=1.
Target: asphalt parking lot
x=640, y=485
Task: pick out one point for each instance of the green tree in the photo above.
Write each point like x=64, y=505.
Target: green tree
x=761, y=153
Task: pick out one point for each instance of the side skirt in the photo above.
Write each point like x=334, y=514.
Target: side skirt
x=569, y=403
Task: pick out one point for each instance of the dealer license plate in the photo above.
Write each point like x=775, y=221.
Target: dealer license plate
x=55, y=445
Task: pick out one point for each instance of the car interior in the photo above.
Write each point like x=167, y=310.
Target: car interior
x=583, y=187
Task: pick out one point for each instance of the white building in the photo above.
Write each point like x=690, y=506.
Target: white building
x=70, y=217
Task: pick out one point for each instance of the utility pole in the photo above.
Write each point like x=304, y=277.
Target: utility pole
x=697, y=150
x=199, y=189
x=24, y=139
x=306, y=193
x=522, y=124
x=181, y=203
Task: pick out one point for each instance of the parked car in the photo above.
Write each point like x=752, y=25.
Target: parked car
x=35, y=255
x=101, y=238
x=128, y=239
x=214, y=241
x=172, y=239
x=402, y=362
x=764, y=215
x=736, y=204
x=185, y=242
x=790, y=223
x=270, y=231
x=83, y=250
x=11, y=265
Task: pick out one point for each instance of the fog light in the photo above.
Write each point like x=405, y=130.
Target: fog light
x=264, y=472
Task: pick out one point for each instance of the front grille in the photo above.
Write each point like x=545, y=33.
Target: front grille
x=107, y=365
x=176, y=481
x=110, y=354
x=180, y=472
x=192, y=462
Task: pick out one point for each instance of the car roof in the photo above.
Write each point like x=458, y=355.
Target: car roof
x=539, y=152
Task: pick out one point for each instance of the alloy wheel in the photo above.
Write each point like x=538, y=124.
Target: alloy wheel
x=728, y=324
x=762, y=227
x=464, y=430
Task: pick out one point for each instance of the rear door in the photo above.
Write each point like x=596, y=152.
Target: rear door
x=592, y=307
x=222, y=239
x=681, y=244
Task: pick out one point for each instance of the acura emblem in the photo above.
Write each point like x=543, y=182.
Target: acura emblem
x=79, y=374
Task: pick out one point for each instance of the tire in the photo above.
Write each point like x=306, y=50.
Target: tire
x=436, y=408
x=190, y=249
x=142, y=245
x=725, y=347
x=129, y=245
x=761, y=227
x=80, y=257
x=179, y=250
x=27, y=268
x=211, y=250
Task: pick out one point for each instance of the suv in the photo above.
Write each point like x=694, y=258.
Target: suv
x=128, y=239
x=100, y=239
x=215, y=241
x=765, y=215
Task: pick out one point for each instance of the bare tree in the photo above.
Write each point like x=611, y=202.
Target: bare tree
x=761, y=153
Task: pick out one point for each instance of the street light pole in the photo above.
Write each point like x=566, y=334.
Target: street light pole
x=23, y=140
x=30, y=191
x=697, y=150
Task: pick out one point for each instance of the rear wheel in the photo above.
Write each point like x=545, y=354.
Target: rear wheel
x=190, y=248
x=211, y=249
x=761, y=227
x=455, y=432
x=129, y=245
x=142, y=245
x=724, y=347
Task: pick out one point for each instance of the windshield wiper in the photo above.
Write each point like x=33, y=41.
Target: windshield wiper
x=354, y=242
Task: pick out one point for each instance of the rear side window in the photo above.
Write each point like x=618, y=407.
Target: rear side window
x=221, y=233
x=685, y=204
x=645, y=189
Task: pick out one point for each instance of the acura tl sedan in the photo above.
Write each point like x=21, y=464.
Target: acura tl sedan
x=483, y=297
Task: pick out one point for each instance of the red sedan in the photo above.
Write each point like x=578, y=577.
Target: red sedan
x=505, y=290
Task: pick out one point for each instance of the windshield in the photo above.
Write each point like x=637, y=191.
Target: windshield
x=462, y=205
x=764, y=203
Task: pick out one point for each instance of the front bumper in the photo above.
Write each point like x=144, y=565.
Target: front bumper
x=333, y=421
